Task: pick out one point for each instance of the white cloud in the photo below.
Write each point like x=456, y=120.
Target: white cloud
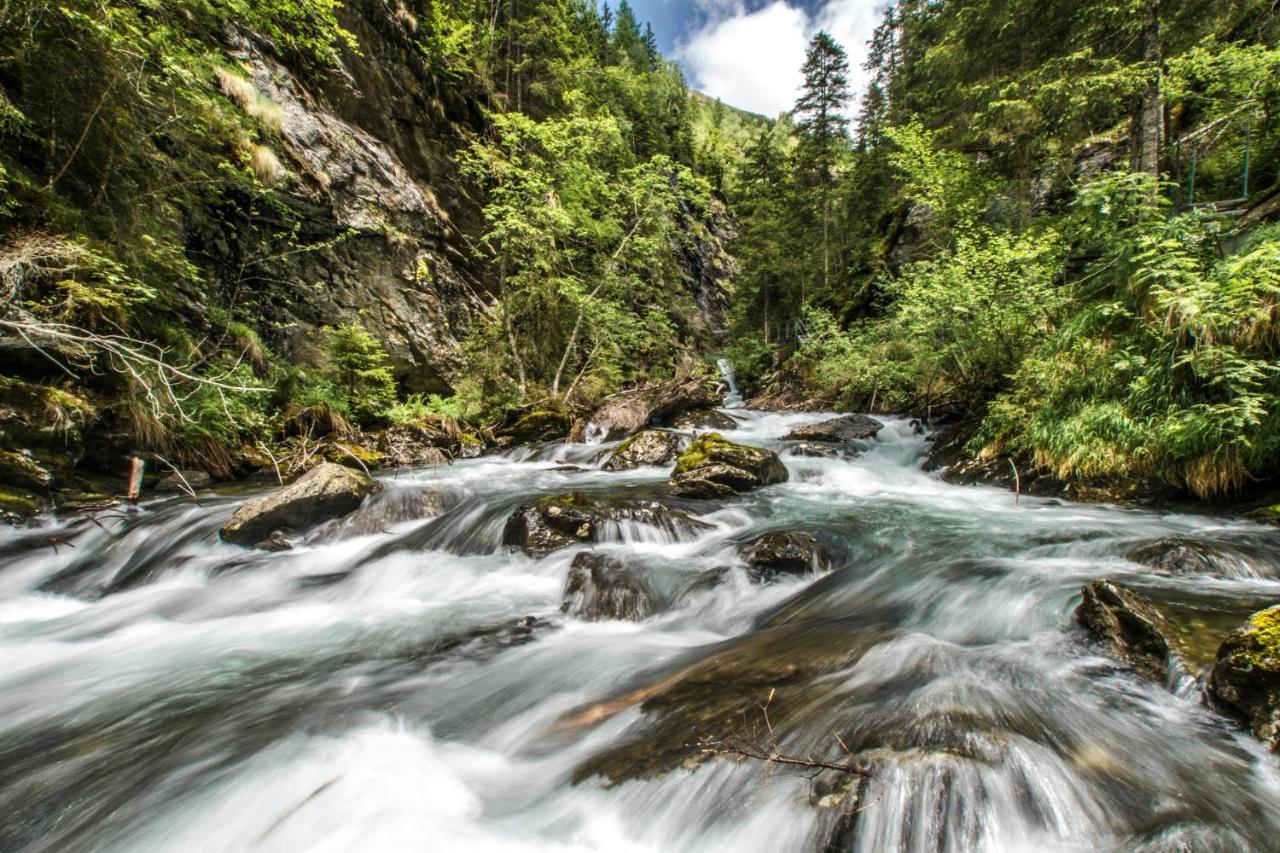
x=752, y=59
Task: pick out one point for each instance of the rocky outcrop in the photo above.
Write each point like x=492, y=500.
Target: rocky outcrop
x=837, y=430
x=326, y=492
x=603, y=587
x=651, y=447
x=1245, y=681
x=1128, y=626
x=785, y=553
x=557, y=521
x=713, y=467
x=631, y=411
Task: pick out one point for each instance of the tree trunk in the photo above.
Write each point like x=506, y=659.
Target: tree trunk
x=1148, y=136
x=506, y=325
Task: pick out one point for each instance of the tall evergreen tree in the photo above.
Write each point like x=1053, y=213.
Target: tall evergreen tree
x=822, y=125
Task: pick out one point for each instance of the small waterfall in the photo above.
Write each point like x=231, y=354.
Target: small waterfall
x=733, y=399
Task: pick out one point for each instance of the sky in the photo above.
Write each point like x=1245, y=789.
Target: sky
x=748, y=53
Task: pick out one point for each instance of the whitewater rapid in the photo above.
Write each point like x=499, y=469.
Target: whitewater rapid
x=376, y=689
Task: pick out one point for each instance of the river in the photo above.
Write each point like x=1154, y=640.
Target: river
x=382, y=687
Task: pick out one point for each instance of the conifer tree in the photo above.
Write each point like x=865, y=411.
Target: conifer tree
x=822, y=125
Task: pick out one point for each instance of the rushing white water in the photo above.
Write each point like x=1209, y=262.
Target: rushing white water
x=368, y=691
x=732, y=397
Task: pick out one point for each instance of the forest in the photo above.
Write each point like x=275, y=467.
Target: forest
x=1049, y=224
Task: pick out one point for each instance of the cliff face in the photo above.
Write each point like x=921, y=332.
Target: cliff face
x=369, y=156
x=369, y=150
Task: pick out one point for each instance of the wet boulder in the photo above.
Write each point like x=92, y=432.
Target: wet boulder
x=275, y=543
x=551, y=523
x=782, y=553
x=180, y=482
x=558, y=521
x=631, y=411
x=21, y=470
x=817, y=450
x=713, y=467
x=603, y=587
x=837, y=430
x=1245, y=681
x=651, y=447
x=326, y=492
x=703, y=419
x=1128, y=625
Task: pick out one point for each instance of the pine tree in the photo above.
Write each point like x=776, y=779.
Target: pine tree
x=822, y=125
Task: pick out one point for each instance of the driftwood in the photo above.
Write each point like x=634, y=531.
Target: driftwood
x=631, y=411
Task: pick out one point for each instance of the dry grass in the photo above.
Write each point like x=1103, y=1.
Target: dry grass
x=266, y=165
x=245, y=95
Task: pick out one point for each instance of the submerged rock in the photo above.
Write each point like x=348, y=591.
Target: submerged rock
x=651, y=447
x=275, y=543
x=603, y=587
x=713, y=467
x=1245, y=680
x=1177, y=556
x=1128, y=625
x=555, y=522
x=788, y=553
x=687, y=711
x=703, y=419
x=837, y=430
x=819, y=451
x=325, y=492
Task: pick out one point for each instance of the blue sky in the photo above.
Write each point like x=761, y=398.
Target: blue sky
x=748, y=52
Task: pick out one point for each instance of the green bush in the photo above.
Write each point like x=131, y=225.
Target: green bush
x=358, y=366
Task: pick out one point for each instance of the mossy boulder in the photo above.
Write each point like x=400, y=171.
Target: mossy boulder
x=326, y=492
x=782, y=553
x=1128, y=626
x=1245, y=681
x=837, y=430
x=21, y=471
x=651, y=447
x=603, y=587
x=714, y=467
x=538, y=425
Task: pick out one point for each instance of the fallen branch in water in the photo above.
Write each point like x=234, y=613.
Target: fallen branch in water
x=769, y=752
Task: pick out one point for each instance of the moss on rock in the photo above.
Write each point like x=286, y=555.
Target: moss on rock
x=1246, y=677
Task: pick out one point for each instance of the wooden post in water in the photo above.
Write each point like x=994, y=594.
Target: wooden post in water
x=136, y=467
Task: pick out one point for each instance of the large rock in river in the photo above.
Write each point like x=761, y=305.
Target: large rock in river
x=836, y=430
x=1246, y=677
x=1128, y=625
x=651, y=447
x=713, y=467
x=602, y=587
x=557, y=521
x=325, y=492
x=783, y=553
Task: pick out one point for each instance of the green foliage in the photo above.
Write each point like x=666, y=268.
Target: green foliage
x=418, y=408
x=358, y=366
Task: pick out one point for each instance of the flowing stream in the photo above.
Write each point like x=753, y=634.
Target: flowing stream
x=383, y=687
